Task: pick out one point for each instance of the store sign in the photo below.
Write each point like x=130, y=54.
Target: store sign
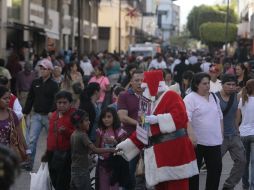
x=37, y=14
x=66, y=24
x=86, y=29
x=52, y=28
x=94, y=31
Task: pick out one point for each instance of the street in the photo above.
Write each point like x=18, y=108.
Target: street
x=23, y=182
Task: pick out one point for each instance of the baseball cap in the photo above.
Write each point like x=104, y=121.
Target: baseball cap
x=228, y=78
x=46, y=64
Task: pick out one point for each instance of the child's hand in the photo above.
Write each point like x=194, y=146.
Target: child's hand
x=110, y=140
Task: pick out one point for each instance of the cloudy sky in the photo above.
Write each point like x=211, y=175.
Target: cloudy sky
x=187, y=5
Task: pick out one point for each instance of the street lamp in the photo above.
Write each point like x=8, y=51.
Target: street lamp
x=226, y=30
x=119, y=33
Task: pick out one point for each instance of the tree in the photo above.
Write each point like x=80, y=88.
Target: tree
x=203, y=14
x=213, y=33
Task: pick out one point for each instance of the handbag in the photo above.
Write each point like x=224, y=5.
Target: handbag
x=59, y=157
x=15, y=143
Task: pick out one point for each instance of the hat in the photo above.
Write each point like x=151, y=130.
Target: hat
x=154, y=83
x=214, y=69
x=228, y=78
x=46, y=64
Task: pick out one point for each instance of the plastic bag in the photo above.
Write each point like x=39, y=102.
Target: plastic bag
x=41, y=179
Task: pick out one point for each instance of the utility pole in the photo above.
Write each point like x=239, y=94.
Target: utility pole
x=226, y=30
x=119, y=33
x=79, y=29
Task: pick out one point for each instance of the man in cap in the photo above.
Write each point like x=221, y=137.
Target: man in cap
x=169, y=157
x=41, y=98
x=231, y=141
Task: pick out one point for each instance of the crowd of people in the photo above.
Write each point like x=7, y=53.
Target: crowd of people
x=92, y=105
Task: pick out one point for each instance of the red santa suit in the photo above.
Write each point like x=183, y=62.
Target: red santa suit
x=170, y=163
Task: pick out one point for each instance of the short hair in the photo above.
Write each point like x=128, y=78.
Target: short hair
x=3, y=90
x=64, y=94
x=3, y=80
x=118, y=90
x=91, y=89
x=197, y=78
x=9, y=167
x=78, y=116
x=138, y=71
x=228, y=78
x=188, y=75
x=2, y=62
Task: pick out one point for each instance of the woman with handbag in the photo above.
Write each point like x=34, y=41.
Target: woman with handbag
x=11, y=133
x=58, y=152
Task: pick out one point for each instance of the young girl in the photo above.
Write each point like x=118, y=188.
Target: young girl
x=80, y=147
x=108, y=135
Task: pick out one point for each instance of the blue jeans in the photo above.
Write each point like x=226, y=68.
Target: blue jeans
x=248, y=143
x=38, y=121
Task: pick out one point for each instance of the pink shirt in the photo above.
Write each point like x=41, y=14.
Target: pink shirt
x=103, y=82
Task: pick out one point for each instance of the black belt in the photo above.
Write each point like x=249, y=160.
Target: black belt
x=167, y=137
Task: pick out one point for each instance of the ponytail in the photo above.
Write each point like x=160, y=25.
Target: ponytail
x=245, y=97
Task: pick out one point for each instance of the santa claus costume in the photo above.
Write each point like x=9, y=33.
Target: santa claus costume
x=169, y=158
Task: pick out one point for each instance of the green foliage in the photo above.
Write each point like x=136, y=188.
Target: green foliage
x=203, y=14
x=214, y=33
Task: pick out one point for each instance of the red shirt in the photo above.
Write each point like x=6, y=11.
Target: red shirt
x=60, y=140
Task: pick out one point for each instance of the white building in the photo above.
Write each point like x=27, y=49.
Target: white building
x=168, y=19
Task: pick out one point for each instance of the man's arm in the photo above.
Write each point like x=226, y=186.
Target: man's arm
x=124, y=118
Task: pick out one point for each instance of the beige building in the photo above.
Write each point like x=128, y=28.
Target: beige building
x=112, y=14
x=34, y=25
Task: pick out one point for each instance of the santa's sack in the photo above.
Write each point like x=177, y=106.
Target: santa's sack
x=41, y=179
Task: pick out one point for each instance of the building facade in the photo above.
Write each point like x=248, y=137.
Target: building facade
x=118, y=21
x=168, y=16
x=34, y=25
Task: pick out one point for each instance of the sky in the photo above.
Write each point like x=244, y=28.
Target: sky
x=187, y=5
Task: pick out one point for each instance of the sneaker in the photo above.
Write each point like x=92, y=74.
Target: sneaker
x=203, y=169
x=26, y=166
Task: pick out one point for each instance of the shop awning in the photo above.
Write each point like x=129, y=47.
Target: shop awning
x=19, y=26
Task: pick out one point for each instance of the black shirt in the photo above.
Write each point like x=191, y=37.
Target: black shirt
x=41, y=96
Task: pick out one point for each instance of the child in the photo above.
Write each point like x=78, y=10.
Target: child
x=108, y=135
x=80, y=147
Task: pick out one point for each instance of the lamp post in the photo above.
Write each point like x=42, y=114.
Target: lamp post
x=119, y=32
x=79, y=23
x=226, y=30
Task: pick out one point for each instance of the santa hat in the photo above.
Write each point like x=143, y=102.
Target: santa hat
x=154, y=83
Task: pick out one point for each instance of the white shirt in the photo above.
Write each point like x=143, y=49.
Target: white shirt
x=157, y=65
x=215, y=86
x=247, y=126
x=205, y=118
x=193, y=59
x=86, y=67
x=205, y=67
x=176, y=62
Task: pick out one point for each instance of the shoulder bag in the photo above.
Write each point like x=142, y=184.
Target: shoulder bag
x=15, y=139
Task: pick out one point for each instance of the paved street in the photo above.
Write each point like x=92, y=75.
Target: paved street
x=23, y=182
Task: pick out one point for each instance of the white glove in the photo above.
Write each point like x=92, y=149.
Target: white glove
x=151, y=119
